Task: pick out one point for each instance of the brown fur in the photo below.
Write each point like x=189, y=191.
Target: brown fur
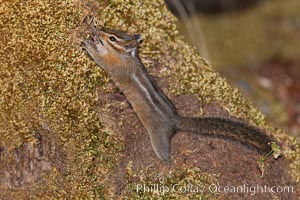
x=154, y=109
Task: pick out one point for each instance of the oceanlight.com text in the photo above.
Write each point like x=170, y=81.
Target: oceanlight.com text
x=160, y=189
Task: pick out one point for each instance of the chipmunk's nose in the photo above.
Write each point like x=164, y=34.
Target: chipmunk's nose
x=83, y=44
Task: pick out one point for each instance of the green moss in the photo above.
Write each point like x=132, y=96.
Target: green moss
x=47, y=83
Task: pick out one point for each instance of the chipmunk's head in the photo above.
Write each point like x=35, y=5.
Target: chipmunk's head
x=111, y=47
x=118, y=42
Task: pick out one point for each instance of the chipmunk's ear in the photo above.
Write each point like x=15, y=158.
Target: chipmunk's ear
x=132, y=47
x=138, y=37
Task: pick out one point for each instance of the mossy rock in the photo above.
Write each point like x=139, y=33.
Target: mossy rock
x=67, y=132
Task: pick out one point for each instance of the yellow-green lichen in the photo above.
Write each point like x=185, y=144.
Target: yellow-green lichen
x=45, y=83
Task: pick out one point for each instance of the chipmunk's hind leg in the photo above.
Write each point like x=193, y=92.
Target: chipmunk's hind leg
x=160, y=140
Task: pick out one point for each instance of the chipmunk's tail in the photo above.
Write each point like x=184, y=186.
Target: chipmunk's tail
x=226, y=128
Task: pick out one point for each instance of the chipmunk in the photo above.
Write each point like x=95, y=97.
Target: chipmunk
x=116, y=52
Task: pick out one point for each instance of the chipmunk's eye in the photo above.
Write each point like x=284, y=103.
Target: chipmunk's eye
x=112, y=38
